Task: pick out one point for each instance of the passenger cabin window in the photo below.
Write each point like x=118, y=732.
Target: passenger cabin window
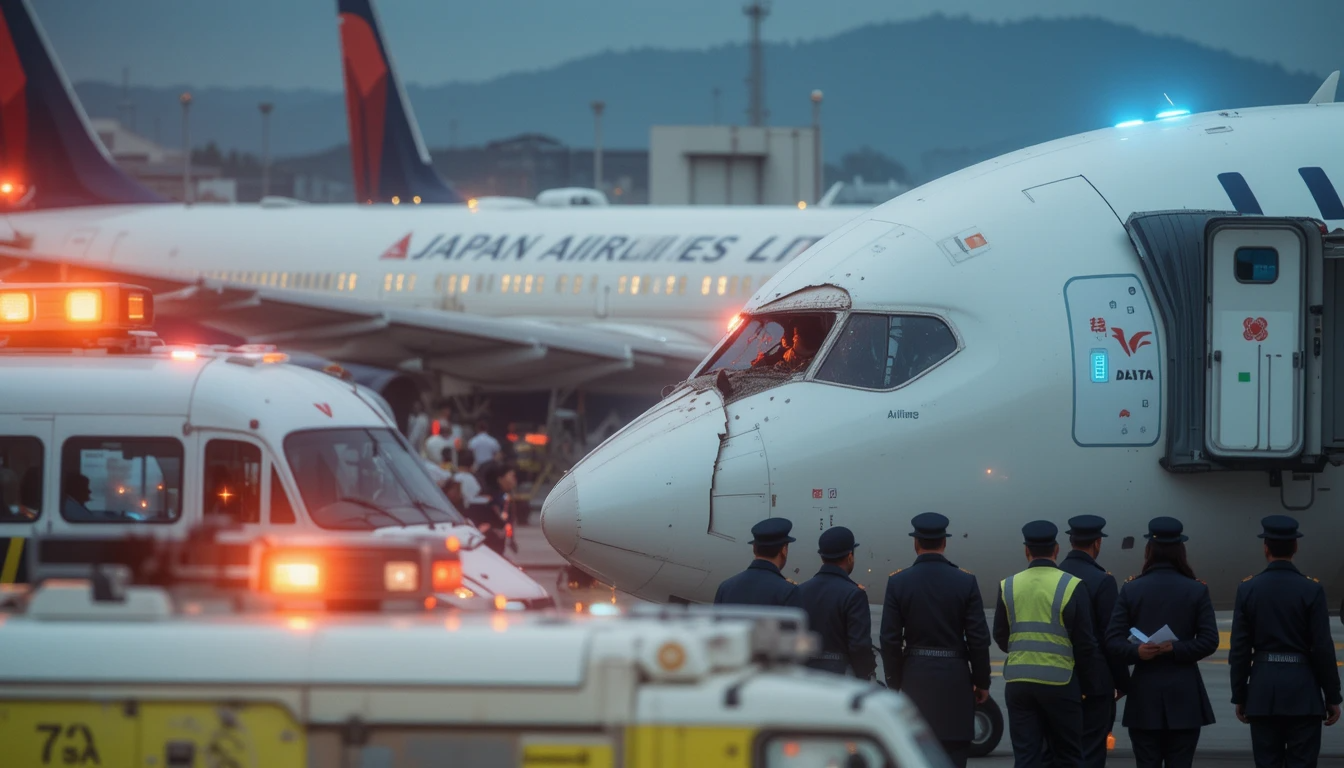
x=232, y=481
x=1256, y=265
x=780, y=344
x=121, y=480
x=886, y=351
x=20, y=479
x=282, y=510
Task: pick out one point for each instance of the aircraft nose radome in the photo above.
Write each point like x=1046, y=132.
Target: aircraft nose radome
x=560, y=516
x=645, y=491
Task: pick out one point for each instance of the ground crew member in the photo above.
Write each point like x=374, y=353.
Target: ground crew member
x=837, y=609
x=1043, y=620
x=1281, y=643
x=1108, y=681
x=1166, y=704
x=935, y=642
x=763, y=582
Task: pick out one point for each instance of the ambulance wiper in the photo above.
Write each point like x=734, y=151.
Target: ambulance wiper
x=425, y=508
x=373, y=507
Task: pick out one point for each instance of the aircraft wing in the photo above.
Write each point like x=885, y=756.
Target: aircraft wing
x=490, y=352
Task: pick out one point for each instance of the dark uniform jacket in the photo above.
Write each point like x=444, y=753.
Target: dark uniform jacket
x=935, y=605
x=1165, y=693
x=837, y=609
x=1278, y=612
x=1077, y=618
x=1109, y=675
x=760, y=584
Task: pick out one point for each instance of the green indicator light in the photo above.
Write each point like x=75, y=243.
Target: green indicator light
x=1244, y=376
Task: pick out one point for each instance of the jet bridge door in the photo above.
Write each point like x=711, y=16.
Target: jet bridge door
x=1256, y=379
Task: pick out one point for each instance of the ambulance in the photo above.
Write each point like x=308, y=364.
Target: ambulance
x=111, y=440
x=138, y=678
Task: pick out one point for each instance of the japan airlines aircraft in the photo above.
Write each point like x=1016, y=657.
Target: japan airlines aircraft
x=610, y=299
x=1139, y=321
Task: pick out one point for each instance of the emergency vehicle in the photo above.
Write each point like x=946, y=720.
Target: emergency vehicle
x=111, y=440
x=139, y=678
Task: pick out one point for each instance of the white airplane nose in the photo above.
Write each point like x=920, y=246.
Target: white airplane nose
x=637, y=506
x=560, y=515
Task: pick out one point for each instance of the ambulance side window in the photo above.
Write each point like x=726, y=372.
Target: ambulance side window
x=121, y=479
x=886, y=351
x=282, y=511
x=20, y=479
x=232, y=480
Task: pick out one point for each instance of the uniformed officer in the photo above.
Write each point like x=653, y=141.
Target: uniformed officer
x=1108, y=681
x=1281, y=643
x=1166, y=704
x=935, y=642
x=1043, y=620
x=837, y=609
x=763, y=582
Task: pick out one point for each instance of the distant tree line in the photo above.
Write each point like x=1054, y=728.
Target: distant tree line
x=873, y=166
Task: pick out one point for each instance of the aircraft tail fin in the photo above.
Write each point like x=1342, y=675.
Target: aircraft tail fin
x=1326, y=93
x=388, y=156
x=49, y=156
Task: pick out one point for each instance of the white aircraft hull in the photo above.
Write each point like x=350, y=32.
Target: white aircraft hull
x=995, y=435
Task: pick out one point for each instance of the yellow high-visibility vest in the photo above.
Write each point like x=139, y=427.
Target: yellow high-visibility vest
x=1039, y=649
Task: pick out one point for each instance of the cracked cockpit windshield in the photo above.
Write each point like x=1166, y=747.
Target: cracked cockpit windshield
x=777, y=346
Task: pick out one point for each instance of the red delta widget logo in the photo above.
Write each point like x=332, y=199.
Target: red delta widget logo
x=1133, y=343
x=398, y=249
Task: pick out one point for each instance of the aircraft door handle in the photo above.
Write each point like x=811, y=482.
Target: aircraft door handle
x=1217, y=355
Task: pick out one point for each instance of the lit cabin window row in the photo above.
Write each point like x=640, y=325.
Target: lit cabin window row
x=303, y=281
x=667, y=285
x=721, y=285
x=457, y=284
x=398, y=282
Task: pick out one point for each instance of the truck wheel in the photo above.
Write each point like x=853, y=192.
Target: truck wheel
x=988, y=728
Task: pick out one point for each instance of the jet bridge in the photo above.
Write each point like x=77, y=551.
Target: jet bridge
x=1253, y=308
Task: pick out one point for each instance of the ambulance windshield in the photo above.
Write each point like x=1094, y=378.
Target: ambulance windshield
x=361, y=479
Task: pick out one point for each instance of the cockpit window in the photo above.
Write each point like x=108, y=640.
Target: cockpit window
x=886, y=351
x=781, y=344
x=361, y=479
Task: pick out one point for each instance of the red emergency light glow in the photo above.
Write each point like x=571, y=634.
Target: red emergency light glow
x=296, y=577
x=734, y=323
x=16, y=307
x=12, y=191
x=81, y=308
x=447, y=575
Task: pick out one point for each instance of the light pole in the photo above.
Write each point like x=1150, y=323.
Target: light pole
x=817, y=166
x=265, y=107
x=185, y=98
x=598, y=107
x=756, y=10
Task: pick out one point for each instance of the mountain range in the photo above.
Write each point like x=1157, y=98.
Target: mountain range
x=936, y=88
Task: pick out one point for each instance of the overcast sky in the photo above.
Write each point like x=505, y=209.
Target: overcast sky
x=293, y=44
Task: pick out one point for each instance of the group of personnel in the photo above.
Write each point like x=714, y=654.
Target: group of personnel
x=476, y=475
x=1077, y=642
